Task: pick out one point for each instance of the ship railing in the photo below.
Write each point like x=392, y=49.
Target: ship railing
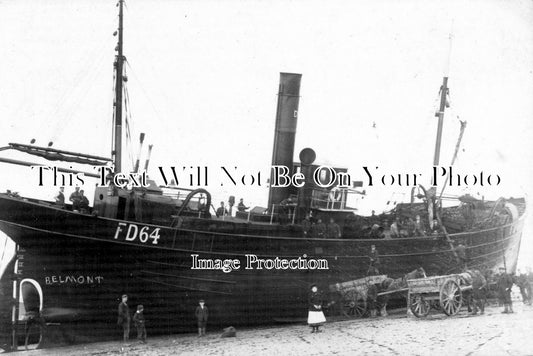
x=329, y=198
x=482, y=241
x=178, y=193
x=280, y=211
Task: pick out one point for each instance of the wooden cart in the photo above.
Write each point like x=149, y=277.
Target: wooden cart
x=352, y=297
x=440, y=292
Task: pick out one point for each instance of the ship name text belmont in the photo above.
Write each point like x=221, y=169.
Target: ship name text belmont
x=280, y=176
x=72, y=279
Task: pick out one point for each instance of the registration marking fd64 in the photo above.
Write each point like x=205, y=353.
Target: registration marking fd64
x=134, y=232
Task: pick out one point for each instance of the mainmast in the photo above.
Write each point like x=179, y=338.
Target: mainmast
x=119, y=64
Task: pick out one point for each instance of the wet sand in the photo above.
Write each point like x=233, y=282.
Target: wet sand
x=493, y=333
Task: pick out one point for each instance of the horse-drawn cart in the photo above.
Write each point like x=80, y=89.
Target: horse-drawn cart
x=440, y=292
x=352, y=297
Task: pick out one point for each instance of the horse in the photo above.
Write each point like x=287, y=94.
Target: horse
x=475, y=297
x=391, y=285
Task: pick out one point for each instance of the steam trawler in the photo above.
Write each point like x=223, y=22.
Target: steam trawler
x=167, y=251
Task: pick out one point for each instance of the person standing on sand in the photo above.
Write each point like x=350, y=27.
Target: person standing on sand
x=124, y=317
x=315, y=317
x=201, y=313
x=138, y=319
x=505, y=283
x=479, y=294
x=525, y=290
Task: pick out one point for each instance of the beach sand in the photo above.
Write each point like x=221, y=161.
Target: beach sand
x=493, y=333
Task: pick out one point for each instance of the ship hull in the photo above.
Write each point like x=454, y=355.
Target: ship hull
x=80, y=265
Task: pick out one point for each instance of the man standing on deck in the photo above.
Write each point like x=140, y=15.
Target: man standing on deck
x=75, y=198
x=124, y=317
x=222, y=211
x=419, y=230
x=395, y=229
x=505, y=283
x=306, y=225
x=333, y=230
x=84, y=203
x=318, y=231
x=241, y=206
x=60, y=198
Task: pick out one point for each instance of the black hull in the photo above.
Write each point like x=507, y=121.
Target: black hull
x=83, y=266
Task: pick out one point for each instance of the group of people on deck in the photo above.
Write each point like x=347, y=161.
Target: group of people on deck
x=318, y=230
x=222, y=211
x=401, y=227
x=79, y=201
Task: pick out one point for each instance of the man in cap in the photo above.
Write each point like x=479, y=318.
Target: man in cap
x=201, y=313
x=241, y=206
x=124, y=317
x=222, y=211
x=75, y=198
x=60, y=198
x=318, y=230
x=505, y=283
x=84, y=202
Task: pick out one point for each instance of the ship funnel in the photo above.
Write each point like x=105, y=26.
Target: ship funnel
x=285, y=132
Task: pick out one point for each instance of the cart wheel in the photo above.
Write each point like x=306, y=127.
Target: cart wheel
x=419, y=305
x=353, y=305
x=451, y=298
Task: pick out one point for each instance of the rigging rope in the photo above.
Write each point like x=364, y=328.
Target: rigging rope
x=129, y=121
x=71, y=98
x=157, y=114
x=92, y=60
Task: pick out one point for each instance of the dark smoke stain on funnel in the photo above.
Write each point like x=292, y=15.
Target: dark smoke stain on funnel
x=285, y=131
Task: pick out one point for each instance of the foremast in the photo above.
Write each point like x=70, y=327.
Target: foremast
x=434, y=203
x=444, y=93
x=119, y=65
x=440, y=114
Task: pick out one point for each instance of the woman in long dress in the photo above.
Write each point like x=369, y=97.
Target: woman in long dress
x=315, y=317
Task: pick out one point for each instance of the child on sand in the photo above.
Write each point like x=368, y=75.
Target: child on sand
x=138, y=319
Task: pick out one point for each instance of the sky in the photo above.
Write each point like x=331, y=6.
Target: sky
x=203, y=79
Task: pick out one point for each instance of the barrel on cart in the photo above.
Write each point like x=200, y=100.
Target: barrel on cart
x=352, y=297
x=440, y=292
